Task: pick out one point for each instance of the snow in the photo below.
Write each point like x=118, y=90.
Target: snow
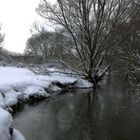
x=17, y=135
x=34, y=90
x=2, y=102
x=83, y=84
x=63, y=78
x=19, y=84
x=11, y=97
x=13, y=76
x=5, y=124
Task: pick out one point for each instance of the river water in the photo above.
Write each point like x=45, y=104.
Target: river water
x=111, y=112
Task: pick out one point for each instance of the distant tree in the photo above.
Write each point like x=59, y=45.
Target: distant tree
x=1, y=38
x=3, y=52
x=46, y=44
x=90, y=24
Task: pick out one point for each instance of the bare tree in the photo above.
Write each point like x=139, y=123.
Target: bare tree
x=1, y=38
x=2, y=51
x=45, y=44
x=90, y=24
x=126, y=51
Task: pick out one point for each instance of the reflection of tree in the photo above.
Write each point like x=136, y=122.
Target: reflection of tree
x=70, y=117
x=101, y=116
x=82, y=127
x=58, y=116
x=88, y=116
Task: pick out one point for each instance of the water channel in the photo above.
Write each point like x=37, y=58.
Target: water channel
x=111, y=112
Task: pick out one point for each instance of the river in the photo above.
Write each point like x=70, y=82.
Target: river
x=111, y=112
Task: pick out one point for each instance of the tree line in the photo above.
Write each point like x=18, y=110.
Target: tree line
x=89, y=34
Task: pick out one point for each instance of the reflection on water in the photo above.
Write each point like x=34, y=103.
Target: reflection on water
x=109, y=113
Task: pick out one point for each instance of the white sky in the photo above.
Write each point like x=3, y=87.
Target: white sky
x=16, y=17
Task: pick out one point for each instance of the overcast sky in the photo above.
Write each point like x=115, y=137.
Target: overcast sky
x=16, y=17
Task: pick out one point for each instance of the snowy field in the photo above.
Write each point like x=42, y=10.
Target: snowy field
x=19, y=84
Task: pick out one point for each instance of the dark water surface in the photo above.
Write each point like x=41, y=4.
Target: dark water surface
x=112, y=112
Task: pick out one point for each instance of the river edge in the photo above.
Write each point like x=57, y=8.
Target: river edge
x=18, y=95
x=17, y=135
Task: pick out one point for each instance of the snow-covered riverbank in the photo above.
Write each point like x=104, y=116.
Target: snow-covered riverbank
x=20, y=84
x=7, y=132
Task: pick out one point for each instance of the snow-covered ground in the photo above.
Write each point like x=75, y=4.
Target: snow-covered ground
x=6, y=129
x=19, y=84
x=5, y=125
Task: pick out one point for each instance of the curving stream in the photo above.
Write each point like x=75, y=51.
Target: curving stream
x=112, y=112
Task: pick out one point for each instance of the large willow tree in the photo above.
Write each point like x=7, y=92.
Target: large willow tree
x=90, y=24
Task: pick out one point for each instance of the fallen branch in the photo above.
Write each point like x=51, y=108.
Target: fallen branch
x=99, y=75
